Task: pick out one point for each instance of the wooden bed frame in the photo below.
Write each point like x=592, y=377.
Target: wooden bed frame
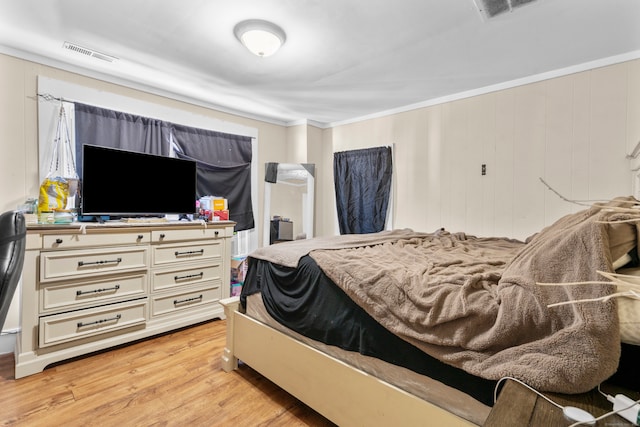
x=343, y=394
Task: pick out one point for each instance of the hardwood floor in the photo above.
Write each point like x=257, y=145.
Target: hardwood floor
x=171, y=380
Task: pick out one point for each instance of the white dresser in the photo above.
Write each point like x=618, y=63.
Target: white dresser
x=87, y=287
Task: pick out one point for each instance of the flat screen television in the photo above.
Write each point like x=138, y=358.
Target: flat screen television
x=119, y=183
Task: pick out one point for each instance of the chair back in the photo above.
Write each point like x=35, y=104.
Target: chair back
x=13, y=231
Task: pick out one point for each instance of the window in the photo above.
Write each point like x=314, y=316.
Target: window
x=52, y=92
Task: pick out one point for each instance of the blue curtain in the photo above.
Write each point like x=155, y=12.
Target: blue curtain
x=223, y=161
x=223, y=167
x=115, y=129
x=362, y=180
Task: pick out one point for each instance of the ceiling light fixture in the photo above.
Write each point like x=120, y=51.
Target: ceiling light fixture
x=262, y=38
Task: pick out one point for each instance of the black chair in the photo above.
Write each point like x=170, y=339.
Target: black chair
x=13, y=232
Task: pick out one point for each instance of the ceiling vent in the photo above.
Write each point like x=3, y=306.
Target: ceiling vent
x=89, y=52
x=491, y=8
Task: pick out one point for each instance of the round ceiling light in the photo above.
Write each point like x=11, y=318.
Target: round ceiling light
x=262, y=38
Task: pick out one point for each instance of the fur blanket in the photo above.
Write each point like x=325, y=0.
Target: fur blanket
x=475, y=303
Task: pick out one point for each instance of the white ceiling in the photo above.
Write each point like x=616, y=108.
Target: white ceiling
x=343, y=59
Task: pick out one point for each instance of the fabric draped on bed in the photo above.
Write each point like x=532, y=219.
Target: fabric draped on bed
x=306, y=301
x=475, y=303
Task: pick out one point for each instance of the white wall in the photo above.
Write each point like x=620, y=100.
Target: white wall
x=573, y=131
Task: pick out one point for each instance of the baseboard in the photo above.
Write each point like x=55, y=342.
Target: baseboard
x=7, y=343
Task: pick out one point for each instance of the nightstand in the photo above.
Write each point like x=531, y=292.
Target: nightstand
x=519, y=406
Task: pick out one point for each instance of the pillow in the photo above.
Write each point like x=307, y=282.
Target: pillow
x=622, y=239
x=629, y=314
x=629, y=308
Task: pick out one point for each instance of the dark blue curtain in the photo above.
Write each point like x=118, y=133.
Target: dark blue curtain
x=362, y=180
x=223, y=160
x=223, y=168
x=115, y=129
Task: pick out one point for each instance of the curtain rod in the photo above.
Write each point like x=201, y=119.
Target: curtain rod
x=49, y=97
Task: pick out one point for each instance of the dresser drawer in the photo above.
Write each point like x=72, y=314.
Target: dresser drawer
x=68, y=296
x=205, y=250
x=186, y=276
x=186, y=300
x=65, y=327
x=174, y=235
x=71, y=241
x=56, y=265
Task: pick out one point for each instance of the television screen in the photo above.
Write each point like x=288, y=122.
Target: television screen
x=124, y=183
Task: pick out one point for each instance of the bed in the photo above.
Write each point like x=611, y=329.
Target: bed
x=398, y=327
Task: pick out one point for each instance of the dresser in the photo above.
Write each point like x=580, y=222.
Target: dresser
x=88, y=287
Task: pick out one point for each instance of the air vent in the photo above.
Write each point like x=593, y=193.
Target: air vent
x=491, y=8
x=89, y=52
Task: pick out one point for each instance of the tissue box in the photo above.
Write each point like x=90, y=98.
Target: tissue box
x=221, y=215
x=31, y=218
x=220, y=204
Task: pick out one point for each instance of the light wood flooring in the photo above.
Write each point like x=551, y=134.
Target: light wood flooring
x=171, y=380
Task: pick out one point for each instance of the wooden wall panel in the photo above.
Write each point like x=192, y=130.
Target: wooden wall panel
x=434, y=167
x=580, y=166
x=633, y=123
x=409, y=137
x=455, y=160
x=608, y=120
x=528, y=145
x=482, y=149
x=633, y=106
x=474, y=139
x=504, y=168
x=558, y=146
x=12, y=132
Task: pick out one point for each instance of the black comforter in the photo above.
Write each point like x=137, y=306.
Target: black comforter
x=306, y=301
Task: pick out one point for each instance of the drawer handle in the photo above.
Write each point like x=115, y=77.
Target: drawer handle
x=140, y=236
x=189, y=276
x=97, y=291
x=162, y=236
x=97, y=322
x=177, y=302
x=201, y=252
x=107, y=261
x=216, y=233
x=58, y=241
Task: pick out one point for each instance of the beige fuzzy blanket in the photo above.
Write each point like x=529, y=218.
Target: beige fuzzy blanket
x=475, y=303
